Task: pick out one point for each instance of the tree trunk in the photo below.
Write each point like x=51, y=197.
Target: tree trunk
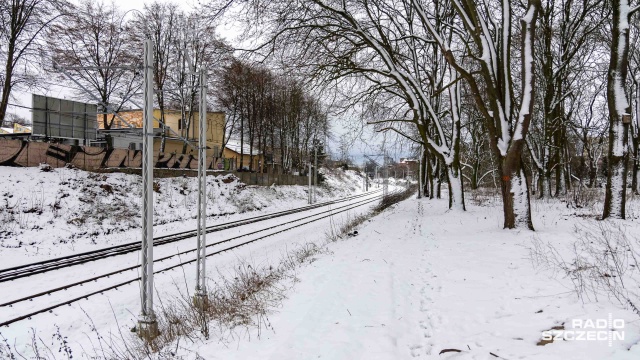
x=634, y=176
x=619, y=113
x=515, y=195
x=456, y=190
x=438, y=176
x=423, y=171
x=546, y=184
x=515, y=187
x=163, y=138
x=6, y=93
x=429, y=188
x=6, y=87
x=593, y=173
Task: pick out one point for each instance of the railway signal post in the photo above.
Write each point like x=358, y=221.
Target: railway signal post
x=147, y=324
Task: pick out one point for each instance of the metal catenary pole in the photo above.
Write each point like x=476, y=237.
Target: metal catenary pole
x=315, y=174
x=364, y=178
x=385, y=184
x=201, y=294
x=147, y=324
x=309, y=180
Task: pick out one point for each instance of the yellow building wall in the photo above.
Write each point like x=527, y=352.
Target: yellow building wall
x=19, y=129
x=246, y=159
x=215, y=129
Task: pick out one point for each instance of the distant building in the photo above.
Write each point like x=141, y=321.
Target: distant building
x=176, y=128
x=408, y=161
x=233, y=150
x=21, y=129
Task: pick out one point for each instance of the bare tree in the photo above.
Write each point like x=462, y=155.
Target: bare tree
x=619, y=111
x=22, y=26
x=634, y=68
x=158, y=22
x=272, y=113
x=92, y=44
x=566, y=37
x=589, y=127
x=377, y=52
x=489, y=30
x=195, y=46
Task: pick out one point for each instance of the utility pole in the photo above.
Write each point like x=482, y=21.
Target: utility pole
x=147, y=324
x=309, y=180
x=315, y=174
x=364, y=178
x=385, y=184
x=200, y=299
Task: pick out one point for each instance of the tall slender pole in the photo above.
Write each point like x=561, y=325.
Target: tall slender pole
x=315, y=174
x=147, y=325
x=201, y=294
x=309, y=181
x=385, y=184
x=364, y=178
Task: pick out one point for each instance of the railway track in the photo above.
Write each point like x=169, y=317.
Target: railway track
x=286, y=226
x=39, y=267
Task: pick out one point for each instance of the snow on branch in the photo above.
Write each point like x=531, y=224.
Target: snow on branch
x=527, y=64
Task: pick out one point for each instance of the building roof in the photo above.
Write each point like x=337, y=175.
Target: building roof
x=234, y=145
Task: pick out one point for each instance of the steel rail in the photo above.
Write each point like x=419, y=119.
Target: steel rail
x=39, y=267
x=95, y=278
x=86, y=296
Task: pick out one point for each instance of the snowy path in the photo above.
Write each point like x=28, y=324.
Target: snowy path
x=418, y=281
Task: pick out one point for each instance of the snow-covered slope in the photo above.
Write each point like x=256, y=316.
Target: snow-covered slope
x=49, y=213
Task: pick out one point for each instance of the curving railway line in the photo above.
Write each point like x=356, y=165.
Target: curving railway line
x=17, y=272
x=231, y=243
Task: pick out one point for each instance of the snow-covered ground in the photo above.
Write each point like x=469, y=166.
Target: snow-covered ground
x=63, y=211
x=118, y=309
x=419, y=281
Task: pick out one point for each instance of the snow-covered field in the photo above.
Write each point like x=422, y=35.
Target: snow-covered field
x=417, y=281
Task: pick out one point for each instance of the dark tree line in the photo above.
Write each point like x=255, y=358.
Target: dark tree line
x=96, y=46
x=271, y=114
